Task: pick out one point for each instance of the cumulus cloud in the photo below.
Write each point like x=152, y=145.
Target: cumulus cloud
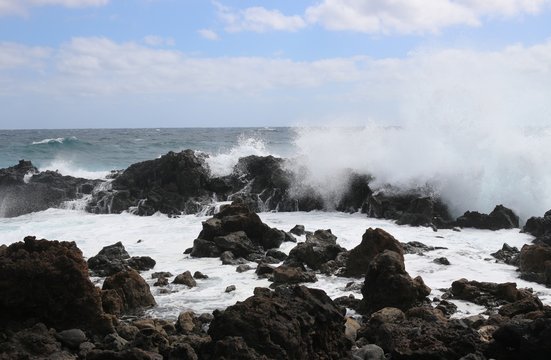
x=258, y=19
x=153, y=40
x=208, y=34
x=413, y=16
x=20, y=7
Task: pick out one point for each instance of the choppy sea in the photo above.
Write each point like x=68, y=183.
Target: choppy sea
x=327, y=152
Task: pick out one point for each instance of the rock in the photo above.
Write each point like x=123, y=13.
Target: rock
x=522, y=306
x=500, y=218
x=230, y=288
x=535, y=260
x=159, y=274
x=185, y=279
x=188, y=323
x=264, y=269
x=161, y=281
x=110, y=260
x=242, y=268
x=442, y=261
x=199, y=275
x=35, y=342
x=321, y=238
x=235, y=228
x=408, y=208
x=416, y=247
x=313, y=255
x=290, y=323
x=356, y=193
x=276, y=254
x=132, y=289
x=508, y=254
x=47, y=281
x=351, y=328
x=374, y=242
x=521, y=339
x=447, y=307
x=298, y=230
x=111, y=302
x=539, y=226
x=423, y=334
x=141, y=263
x=23, y=189
x=71, y=338
x=292, y=275
x=369, y=352
x=387, y=284
x=228, y=258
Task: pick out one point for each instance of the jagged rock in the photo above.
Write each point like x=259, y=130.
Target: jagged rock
x=508, y=254
x=500, y=218
x=290, y=323
x=442, y=261
x=185, y=279
x=539, y=226
x=273, y=238
x=357, y=192
x=446, y=307
x=47, y=281
x=321, y=238
x=35, y=342
x=159, y=274
x=420, y=334
x=114, y=258
x=374, y=242
x=264, y=269
x=298, y=230
x=276, y=254
x=313, y=255
x=23, y=189
x=535, y=263
x=228, y=258
x=292, y=275
x=188, y=323
x=132, y=289
x=416, y=247
x=141, y=263
x=408, y=208
x=161, y=281
x=236, y=242
x=387, y=284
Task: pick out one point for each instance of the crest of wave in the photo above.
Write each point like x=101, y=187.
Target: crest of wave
x=471, y=164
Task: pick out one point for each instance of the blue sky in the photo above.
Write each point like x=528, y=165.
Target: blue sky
x=178, y=63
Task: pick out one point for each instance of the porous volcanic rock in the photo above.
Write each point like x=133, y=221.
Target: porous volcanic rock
x=288, y=323
x=47, y=281
x=132, y=289
x=500, y=218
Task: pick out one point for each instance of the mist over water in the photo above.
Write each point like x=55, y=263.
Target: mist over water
x=471, y=165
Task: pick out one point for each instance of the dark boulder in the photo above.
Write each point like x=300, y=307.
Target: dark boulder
x=521, y=339
x=500, y=218
x=442, y=261
x=374, y=242
x=114, y=258
x=288, y=323
x=47, y=281
x=141, y=263
x=237, y=229
x=298, y=230
x=185, y=279
x=292, y=275
x=312, y=255
x=132, y=289
x=357, y=192
x=23, y=189
x=387, y=284
x=421, y=333
x=539, y=226
x=508, y=254
x=535, y=263
x=321, y=238
x=416, y=247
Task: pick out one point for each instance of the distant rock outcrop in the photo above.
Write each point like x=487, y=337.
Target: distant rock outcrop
x=500, y=218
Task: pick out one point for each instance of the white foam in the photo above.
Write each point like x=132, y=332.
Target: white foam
x=473, y=165
x=67, y=167
x=467, y=251
x=222, y=163
x=60, y=140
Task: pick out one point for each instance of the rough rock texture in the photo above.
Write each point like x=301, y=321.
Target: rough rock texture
x=500, y=218
x=421, y=333
x=114, y=258
x=535, y=263
x=288, y=323
x=508, y=254
x=387, y=284
x=374, y=242
x=23, y=189
x=132, y=289
x=539, y=226
x=237, y=229
x=292, y=275
x=47, y=281
x=408, y=208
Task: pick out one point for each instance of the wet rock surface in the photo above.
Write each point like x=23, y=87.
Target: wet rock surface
x=500, y=218
x=114, y=258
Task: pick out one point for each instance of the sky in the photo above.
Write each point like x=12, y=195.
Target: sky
x=197, y=63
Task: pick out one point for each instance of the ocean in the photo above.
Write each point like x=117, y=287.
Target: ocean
x=326, y=153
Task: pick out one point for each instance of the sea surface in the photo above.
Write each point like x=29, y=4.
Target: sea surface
x=94, y=153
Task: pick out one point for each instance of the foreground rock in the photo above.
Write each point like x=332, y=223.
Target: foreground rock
x=317, y=251
x=23, y=189
x=288, y=323
x=132, y=292
x=387, y=284
x=47, y=281
x=535, y=263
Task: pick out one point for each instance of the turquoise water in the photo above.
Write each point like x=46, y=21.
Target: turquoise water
x=95, y=150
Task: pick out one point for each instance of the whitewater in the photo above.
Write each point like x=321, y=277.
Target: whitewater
x=475, y=179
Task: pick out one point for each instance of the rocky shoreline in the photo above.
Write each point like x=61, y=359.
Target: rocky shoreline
x=52, y=310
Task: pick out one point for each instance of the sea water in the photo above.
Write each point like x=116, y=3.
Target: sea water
x=326, y=153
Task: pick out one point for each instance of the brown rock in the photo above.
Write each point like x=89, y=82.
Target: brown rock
x=132, y=289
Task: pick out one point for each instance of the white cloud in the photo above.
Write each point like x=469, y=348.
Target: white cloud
x=153, y=40
x=208, y=34
x=413, y=16
x=20, y=7
x=258, y=19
